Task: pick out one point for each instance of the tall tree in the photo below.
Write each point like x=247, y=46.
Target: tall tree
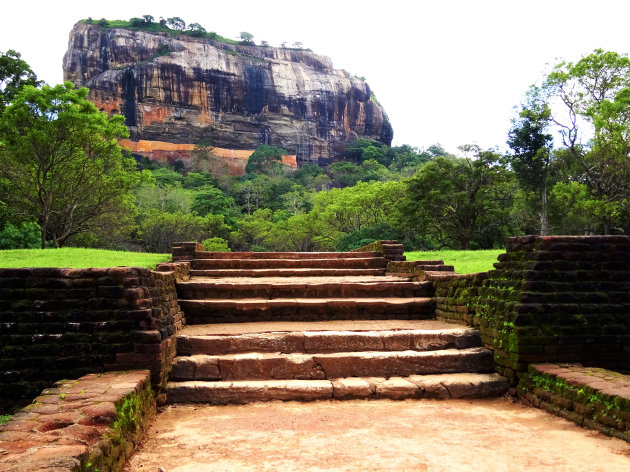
x=455, y=201
x=592, y=113
x=266, y=160
x=15, y=73
x=531, y=144
x=62, y=160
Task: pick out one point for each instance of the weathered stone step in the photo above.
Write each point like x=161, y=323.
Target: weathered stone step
x=338, y=263
x=305, y=309
x=284, y=255
x=330, y=341
x=212, y=288
x=307, y=272
x=444, y=386
x=319, y=366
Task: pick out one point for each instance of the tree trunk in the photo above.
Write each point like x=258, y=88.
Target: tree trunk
x=43, y=230
x=607, y=227
x=544, y=225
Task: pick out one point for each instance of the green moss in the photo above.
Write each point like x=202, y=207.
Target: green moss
x=131, y=411
x=600, y=403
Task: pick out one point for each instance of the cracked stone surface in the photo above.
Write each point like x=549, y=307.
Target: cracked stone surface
x=337, y=325
x=493, y=435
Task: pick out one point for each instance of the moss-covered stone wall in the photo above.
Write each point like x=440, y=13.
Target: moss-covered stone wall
x=589, y=396
x=549, y=299
x=65, y=323
x=91, y=424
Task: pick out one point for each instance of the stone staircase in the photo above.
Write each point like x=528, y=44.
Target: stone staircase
x=306, y=326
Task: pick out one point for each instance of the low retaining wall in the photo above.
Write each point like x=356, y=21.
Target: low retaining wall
x=390, y=249
x=89, y=424
x=64, y=323
x=550, y=299
x=591, y=397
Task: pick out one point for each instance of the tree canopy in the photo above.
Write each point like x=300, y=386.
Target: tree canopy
x=590, y=103
x=64, y=165
x=15, y=73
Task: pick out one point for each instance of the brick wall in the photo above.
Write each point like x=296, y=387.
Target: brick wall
x=89, y=424
x=390, y=249
x=591, y=397
x=65, y=323
x=549, y=299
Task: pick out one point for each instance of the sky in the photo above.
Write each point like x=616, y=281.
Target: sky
x=445, y=71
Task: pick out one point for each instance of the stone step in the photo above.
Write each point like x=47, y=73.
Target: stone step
x=338, y=263
x=307, y=272
x=305, y=309
x=284, y=255
x=320, y=366
x=321, y=341
x=290, y=288
x=444, y=386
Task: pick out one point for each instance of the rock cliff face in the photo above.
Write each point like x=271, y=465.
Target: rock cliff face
x=180, y=90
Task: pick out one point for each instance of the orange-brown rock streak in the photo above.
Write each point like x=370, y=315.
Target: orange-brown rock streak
x=179, y=89
x=167, y=153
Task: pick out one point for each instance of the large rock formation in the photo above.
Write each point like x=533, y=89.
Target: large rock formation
x=180, y=90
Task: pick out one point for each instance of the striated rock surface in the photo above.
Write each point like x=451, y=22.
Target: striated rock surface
x=180, y=90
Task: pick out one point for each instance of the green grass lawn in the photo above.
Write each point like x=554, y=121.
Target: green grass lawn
x=465, y=262
x=77, y=258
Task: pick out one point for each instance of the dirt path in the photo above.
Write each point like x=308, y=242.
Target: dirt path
x=427, y=435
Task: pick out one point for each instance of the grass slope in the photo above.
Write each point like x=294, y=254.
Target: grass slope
x=465, y=262
x=77, y=258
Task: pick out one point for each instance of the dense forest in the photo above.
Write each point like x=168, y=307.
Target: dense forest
x=65, y=181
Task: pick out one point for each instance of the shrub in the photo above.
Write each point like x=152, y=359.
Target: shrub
x=216, y=244
x=26, y=236
x=365, y=236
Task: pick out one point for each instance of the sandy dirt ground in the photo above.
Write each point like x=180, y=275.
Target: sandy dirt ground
x=495, y=435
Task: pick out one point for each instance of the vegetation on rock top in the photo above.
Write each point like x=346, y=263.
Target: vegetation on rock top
x=175, y=25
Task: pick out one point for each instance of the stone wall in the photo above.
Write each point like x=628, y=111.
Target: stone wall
x=390, y=249
x=89, y=424
x=65, y=323
x=550, y=299
x=591, y=397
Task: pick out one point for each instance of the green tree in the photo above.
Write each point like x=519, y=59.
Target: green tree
x=266, y=160
x=531, y=144
x=15, y=73
x=252, y=231
x=456, y=201
x=176, y=23
x=353, y=208
x=345, y=174
x=296, y=201
x=367, y=235
x=211, y=200
x=363, y=149
x=158, y=230
x=246, y=38
x=24, y=236
x=195, y=29
x=61, y=157
x=167, y=198
x=590, y=103
x=216, y=244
